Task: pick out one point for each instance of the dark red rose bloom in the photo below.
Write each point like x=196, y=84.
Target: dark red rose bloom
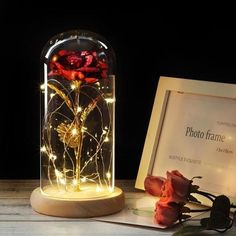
x=78, y=65
x=176, y=188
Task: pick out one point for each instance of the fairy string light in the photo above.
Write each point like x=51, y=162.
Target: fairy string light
x=74, y=92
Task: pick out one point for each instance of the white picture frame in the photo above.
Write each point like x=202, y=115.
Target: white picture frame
x=213, y=109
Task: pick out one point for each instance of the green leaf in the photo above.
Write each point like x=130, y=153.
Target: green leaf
x=219, y=217
x=194, y=188
x=222, y=204
x=189, y=230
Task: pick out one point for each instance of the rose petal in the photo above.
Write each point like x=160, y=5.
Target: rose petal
x=74, y=60
x=153, y=185
x=89, y=69
x=177, y=173
x=80, y=75
x=52, y=73
x=104, y=74
x=102, y=65
x=84, y=53
x=68, y=74
x=90, y=80
x=88, y=60
x=58, y=65
x=63, y=53
x=176, y=187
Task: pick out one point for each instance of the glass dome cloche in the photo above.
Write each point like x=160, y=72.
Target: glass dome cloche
x=77, y=128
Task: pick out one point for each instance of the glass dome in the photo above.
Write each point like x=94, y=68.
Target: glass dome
x=77, y=109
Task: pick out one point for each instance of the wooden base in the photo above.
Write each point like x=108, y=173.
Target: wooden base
x=106, y=205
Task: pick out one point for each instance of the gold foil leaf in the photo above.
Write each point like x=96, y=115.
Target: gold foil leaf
x=69, y=134
x=62, y=95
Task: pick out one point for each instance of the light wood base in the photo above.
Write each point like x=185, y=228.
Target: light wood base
x=83, y=208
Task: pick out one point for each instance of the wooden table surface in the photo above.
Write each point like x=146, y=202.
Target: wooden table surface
x=18, y=218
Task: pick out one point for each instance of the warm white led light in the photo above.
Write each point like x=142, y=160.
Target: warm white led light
x=42, y=86
x=84, y=128
x=74, y=131
x=109, y=100
x=52, y=157
x=79, y=109
x=83, y=180
x=72, y=86
x=55, y=58
x=52, y=95
x=62, y=181
x=108, y=174
x=58, y=174
x=75, y=182
x=43, y=149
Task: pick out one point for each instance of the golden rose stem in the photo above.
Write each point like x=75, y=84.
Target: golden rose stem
x=79, y=148
x=76, y=84
x=77, y=165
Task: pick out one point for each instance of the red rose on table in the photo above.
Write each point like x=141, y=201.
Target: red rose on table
x=78, y=65
x=176, y=187
x=175, y=191
x=167, y=213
